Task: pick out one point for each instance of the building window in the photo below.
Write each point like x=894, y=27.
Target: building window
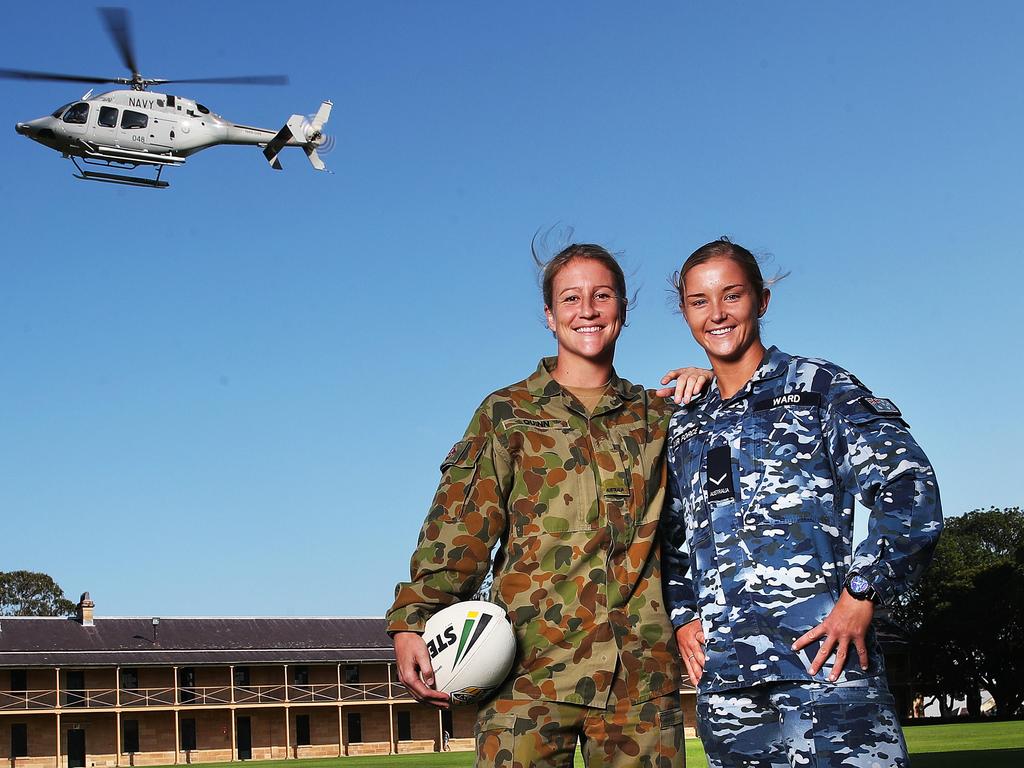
x=355, y=728
x=404, y=726
x=301, y=730
x=75, y=695
x=352, y=673
x=242, y=676
x=187, y=685
x=19, y=740
x=300, y=675
x=19, y=680
x=129, y=679
x=188, y=734
x=130, y=736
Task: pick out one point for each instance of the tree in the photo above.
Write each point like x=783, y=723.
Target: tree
x=27, y=593
x=965, y=619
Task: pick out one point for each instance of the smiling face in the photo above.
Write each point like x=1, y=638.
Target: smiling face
x=586, y=313
x=722, y=309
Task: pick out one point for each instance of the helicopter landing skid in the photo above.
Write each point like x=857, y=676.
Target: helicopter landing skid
x=117, y=178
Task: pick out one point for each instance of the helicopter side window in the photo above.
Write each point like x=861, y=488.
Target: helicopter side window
x=108, y=117
x=78, y=114
x=131, y=119
x=203, y=110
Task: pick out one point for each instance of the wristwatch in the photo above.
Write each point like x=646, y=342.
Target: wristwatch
x=860, y=588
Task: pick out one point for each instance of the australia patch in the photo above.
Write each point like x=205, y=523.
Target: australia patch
x=719, y=485
x=789, y=400
x=881, y=406
x=456, y=453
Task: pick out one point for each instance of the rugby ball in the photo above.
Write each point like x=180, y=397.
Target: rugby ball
x=472, y=648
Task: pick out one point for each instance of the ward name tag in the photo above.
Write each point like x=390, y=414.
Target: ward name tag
x=789, y=400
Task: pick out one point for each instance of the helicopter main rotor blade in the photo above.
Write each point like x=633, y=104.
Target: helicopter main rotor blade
x=242, y=80
x=116, y=20
x=24, y=74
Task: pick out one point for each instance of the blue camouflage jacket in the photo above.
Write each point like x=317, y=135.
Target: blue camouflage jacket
x=759, y=521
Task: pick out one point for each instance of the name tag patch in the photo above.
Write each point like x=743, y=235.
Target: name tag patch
x=789, y=400
x=719, y=483
x=881, y=406
x=537, y=423
x=689, y=431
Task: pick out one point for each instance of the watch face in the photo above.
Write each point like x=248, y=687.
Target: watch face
x=859, y=585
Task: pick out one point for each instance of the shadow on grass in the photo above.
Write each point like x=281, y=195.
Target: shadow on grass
x=989, y=758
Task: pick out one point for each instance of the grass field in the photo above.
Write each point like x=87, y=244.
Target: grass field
x=972, y=745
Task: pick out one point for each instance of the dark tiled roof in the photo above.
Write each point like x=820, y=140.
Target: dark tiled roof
x=47, y=642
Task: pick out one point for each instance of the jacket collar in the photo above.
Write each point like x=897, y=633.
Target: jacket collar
x=542, y=384
x=773, y=365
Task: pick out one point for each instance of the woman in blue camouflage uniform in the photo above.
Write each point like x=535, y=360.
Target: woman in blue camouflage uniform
x=766, y=593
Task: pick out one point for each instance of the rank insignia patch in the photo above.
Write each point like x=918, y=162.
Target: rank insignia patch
x=719, y=483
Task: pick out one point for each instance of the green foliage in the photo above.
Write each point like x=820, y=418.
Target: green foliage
x=27, y=593
x=965, y=619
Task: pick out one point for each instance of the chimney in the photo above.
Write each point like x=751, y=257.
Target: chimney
x=85, y=606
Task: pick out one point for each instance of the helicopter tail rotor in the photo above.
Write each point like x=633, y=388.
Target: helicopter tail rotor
x=302, y=132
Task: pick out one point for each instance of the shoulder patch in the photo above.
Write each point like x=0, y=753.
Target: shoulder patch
x=881, y=406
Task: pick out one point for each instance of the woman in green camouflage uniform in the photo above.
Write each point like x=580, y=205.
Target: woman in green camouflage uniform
x=566, y=470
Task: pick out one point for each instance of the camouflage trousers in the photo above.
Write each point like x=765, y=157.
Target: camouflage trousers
x=543, y=734
x=810, y=725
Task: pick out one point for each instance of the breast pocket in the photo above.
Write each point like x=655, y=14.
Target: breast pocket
x=548, y=493
x=635, y=463
x=795, y=477
x=686, y=457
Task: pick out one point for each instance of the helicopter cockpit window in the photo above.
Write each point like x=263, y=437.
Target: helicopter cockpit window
x=78, y=114
x=130, y=119
x=60, y=110
x=202, y=109
x=108, y=117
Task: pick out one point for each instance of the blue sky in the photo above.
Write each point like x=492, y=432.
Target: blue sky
x=231, y=397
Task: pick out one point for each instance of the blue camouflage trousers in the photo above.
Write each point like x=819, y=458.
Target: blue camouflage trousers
x=807, y=725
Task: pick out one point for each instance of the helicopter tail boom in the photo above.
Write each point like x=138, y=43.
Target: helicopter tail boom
x=300, y=131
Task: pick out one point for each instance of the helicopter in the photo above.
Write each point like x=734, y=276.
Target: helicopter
x=128, y=129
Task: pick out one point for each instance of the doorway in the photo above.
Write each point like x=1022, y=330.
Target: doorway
x=76, y=748
x=244, y=736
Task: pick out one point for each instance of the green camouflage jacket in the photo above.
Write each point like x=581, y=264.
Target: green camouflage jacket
x=574, y=501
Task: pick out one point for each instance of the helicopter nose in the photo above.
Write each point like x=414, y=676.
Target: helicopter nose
x=22, y=129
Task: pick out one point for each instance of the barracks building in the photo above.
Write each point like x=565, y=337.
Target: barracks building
x=87, y=691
